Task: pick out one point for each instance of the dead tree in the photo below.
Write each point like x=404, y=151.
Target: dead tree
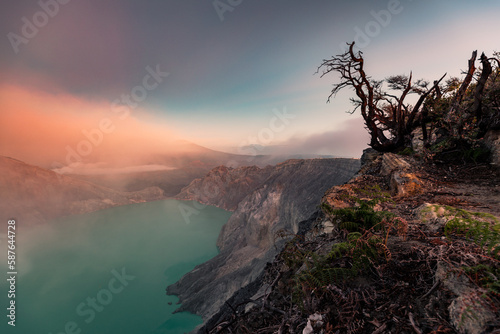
x=465, y=84
x=387, y=117
x=475, y=112
x=477, y=108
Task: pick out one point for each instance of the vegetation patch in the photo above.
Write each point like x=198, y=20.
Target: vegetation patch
x=478, y=227
x=364, y=246
x=362, y=215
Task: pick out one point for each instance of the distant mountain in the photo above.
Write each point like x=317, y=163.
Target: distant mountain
x=189, y=161
x=192, y=155
x=169, y=181
x=34, y=195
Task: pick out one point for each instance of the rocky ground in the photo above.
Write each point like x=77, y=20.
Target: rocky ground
x=414, y=248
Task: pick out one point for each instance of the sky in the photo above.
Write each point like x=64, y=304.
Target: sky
x=125, y=76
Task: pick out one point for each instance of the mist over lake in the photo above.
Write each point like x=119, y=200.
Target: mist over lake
x=106, y=272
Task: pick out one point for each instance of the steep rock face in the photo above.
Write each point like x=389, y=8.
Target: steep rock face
x=288, y=196
x=225, y=187
x=34, y=195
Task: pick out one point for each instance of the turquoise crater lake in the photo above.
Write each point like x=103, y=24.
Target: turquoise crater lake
x=106, y=272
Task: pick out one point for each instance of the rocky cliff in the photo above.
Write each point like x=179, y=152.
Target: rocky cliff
x=225, y=187
x=276, y=199
x=406, y=246
x=33, y=195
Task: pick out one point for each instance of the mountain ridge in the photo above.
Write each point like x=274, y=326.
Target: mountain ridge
x=34, y=195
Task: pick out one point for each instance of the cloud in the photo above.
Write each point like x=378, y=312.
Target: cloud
x=349, y=140
x=45, y=129
x=83, y=48
x=102, y=169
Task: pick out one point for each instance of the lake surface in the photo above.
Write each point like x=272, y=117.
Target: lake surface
x=106, y=272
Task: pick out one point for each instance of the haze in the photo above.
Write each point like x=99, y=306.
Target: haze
x=214, y=77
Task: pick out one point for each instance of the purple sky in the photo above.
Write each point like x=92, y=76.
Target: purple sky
x=230, y=69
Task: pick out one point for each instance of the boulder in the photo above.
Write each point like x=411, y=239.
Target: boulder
x=492, y=141
x=434, y=217
x=392, y=162
x=469, y=312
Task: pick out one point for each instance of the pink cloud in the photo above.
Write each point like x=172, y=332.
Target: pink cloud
x=41, y=128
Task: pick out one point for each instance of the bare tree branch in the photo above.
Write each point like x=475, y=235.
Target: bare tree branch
x=388, y=119
x=463, y=87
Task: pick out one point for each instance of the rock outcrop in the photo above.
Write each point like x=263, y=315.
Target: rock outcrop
x=492, y=141
x=225, y=187
x=289, y=194
x=33, y=195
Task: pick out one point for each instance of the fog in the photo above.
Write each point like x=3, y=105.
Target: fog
x=348, y=140
x=54, y=130
x=102, y=169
